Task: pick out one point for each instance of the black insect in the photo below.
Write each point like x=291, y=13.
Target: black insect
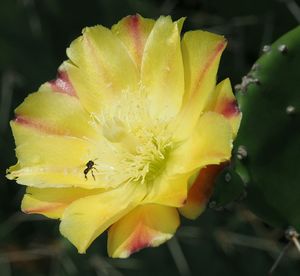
x=90, y=167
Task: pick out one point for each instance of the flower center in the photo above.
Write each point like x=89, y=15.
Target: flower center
x=148, y=159
x=135, y=146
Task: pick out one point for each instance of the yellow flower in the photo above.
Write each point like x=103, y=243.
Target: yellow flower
x=118, y=139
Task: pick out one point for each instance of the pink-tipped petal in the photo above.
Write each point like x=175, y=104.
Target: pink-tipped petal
x=146, y=226
x=51, y=202
x=34, y=124
x=224, y=102
x=133, y=31
x=54, y=114
x=62, y=84
x=201, y=56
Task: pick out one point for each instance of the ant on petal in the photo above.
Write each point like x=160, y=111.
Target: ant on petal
x=90, y=167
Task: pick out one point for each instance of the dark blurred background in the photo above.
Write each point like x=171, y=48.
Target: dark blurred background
x=33, y=37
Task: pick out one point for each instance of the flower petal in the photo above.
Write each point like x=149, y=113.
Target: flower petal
x=162, y=68
x=210, y=143
x=100, y=68
x=201, y=53
x=133, y=31
x=62, y=84
x=56, y=113
x=169, y=189
x=44, y=160
x=51, y=202
x=145, y=226
x=35, y=146
x=86, y=218
x=224, y=102
x=200, y=192
x=48, y=159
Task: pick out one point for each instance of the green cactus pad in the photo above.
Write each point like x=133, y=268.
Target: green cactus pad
x=228, y=188
x=269, y=98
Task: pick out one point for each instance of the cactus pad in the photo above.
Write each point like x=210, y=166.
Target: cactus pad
x=269, y=98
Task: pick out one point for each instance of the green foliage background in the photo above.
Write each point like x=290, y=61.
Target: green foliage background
x=33, y=37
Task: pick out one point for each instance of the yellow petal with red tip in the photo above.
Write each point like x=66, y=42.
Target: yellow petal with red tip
x=35, y=146
x=100, y=68
x=86, y=218
x=61, y=84
x=46, y=160
x=201, y=53
x=210, y=143
x=200, y=192
x=133, y=31
x=162, y=75
x=224, y=102
x=51, y=202
x=55, y=113
x=145, y=226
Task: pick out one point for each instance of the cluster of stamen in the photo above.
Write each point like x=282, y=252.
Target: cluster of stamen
x=136, y=145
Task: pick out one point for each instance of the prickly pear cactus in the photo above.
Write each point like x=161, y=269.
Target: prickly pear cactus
x=267, y=153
